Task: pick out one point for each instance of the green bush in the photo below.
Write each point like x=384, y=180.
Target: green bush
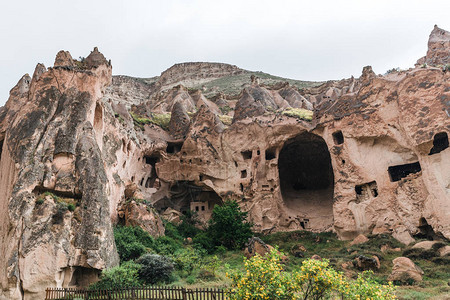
x=188, y=226
x=155, y=268
x=122, y=276
x=172, y=231
x=187, y=259
x=205, y=242
x=132, y=242
x=190, y=279
x=228, y=226
x=166, y=245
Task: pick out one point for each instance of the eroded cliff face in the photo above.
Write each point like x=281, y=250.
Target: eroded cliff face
x=82, y=151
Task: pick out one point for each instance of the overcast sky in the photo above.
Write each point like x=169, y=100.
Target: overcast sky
x=308, y=40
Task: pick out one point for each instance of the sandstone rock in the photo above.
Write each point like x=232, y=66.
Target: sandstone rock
x=360, y=239
x=179, y=121
x=316, y=257
x=172, y=215
x=438, y=48
x=405, y=270
x=364, y=263
x=63, y=59
x=256, y=246
x=424, y=245
x=298, y=250
x=247, y=107
x=444, y=251
x=95, y=59
x=140, y=214
x=387, y=248
x=401, y=234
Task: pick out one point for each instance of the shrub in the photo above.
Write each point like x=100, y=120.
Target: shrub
x=187, y=259
x=316, y=280
x=187, y=227
x=365, y=287
x=132, y=242
x=122, y=276
x=166, y=245
x=155, y=268
x=228, y=226
x=172, y=231
x=190, y=279
x=263, y=278
x=204, y=241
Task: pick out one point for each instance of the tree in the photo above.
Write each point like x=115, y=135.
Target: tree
x=228, y=226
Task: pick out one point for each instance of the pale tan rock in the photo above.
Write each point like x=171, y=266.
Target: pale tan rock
x=444, y=251
x=424, y=245
x=360, y=239
x=402, y=235
x=404, y=270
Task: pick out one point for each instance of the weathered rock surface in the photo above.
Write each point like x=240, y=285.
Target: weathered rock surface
x=405, y=270
x=438, y=48
x=373, y=159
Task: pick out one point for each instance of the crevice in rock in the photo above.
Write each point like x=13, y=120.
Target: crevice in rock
x=64, y=194
x=174, y=147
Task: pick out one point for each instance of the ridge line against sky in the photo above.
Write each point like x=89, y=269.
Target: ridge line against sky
x=303, y=40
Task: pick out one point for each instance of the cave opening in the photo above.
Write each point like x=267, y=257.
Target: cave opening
x=440, y=143
x=401, y=171
x=98, y=118
x=174, y=147
x=82, y=277
x=307, y=180
x=186, y=196
x=338, y=137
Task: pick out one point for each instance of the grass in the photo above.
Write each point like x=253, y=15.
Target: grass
x=226, y=120
x=299, y=113
x=161, y=120
x=232, y=85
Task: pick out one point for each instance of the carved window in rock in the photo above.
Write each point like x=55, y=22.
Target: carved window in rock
x=247, y=154
x=440, y=143
x=366, y=191
x=270, y=154
x=244, y=174
x=338, y=137
x=174, y=147
x=398, y=172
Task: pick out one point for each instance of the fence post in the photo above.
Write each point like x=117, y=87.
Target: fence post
x=183, y=292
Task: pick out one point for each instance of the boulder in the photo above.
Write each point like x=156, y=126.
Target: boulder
x=444, y=251
x=402, y=235
x=425, y=245
x=298, y=250
x=140, y=214
x=405, y=270
x=256, y=246
x=360, y=239
x=364, y=263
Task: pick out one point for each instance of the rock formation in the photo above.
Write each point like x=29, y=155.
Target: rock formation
x=82, y=150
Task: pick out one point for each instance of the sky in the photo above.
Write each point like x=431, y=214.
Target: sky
x=308, y=40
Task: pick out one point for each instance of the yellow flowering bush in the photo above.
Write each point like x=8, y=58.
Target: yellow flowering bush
x=263, y=278
x=365, y=287
x=316, y=280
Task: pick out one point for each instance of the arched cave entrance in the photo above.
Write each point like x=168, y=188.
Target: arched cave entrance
x=185, y=196
x=307, y=181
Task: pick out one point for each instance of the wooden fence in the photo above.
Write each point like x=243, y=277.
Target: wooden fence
x=145, y=293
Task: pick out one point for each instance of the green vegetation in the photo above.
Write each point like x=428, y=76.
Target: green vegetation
x=232, y=85
x=62, y=204
x=123, y=276
x=154, y=268
x=299, y=113
x=161, y=120
x=202, y=258
x=226, y=120
x=265, y=278
x=228, y=226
